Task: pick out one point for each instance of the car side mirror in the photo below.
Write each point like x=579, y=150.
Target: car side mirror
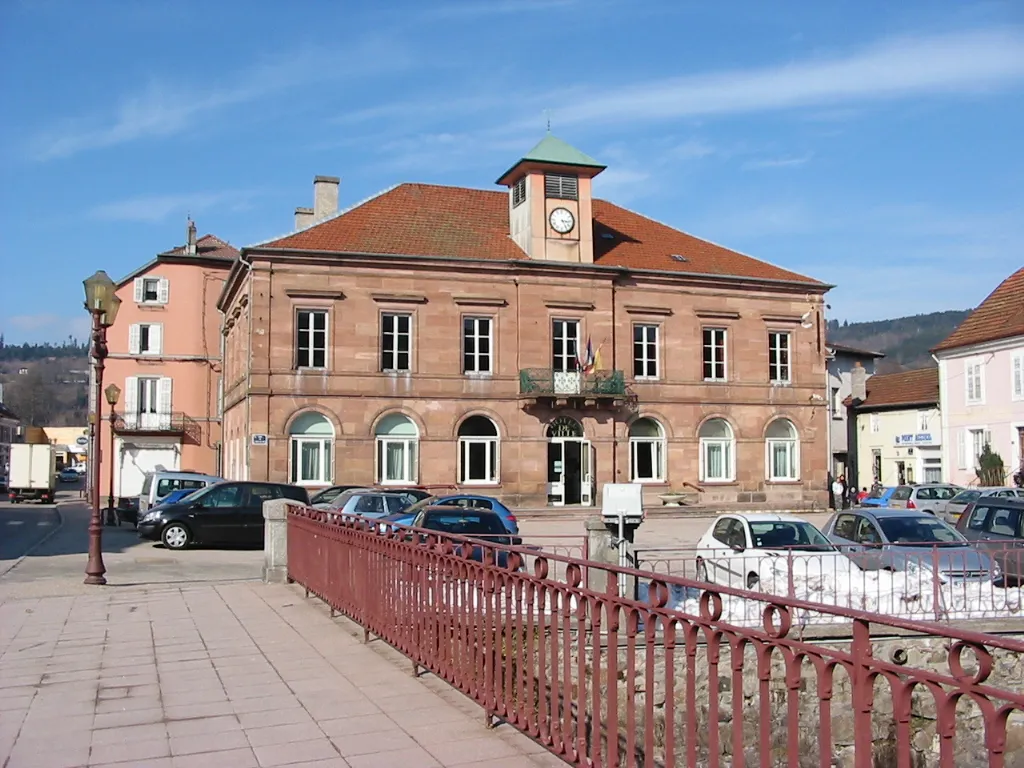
x=196, y=505
x=738, y=548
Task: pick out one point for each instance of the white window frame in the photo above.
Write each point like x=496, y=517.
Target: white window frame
x=161, y=292
x=974, y=382
x=565, y=362
x=154, y=339
x=791, y=445
x=478, y=369
x=975, y=448
x=875, y=422
x=410, y=458
x=717, y=348
x=923, y=420
x=492, y=460
x=837, y=404
x=325, y=445
x=396, y=334
x=728, y=445
x=657, y=446
x=780, y=372
x=312, y=347
x=646, y=361
x=961, y=448
x=1017, y=376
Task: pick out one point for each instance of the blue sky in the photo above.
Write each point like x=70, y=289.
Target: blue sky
x=874, y=145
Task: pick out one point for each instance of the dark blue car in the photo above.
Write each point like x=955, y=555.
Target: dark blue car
x=462, y=500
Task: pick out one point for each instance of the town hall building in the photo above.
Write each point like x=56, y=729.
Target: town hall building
x=531, y=344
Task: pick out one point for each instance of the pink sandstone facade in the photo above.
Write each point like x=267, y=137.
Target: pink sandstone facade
x=165, y=356
x=439, y=336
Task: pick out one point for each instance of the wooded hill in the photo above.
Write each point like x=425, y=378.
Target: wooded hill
x=905, y=341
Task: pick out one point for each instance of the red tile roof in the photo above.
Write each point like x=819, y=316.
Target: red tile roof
x=1000, y=316
x=208, y=247
x=456, y=222
x=904, y=388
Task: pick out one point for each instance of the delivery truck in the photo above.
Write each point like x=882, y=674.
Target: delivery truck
x=33, y=475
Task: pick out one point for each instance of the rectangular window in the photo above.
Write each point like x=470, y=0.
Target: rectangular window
x=875, y=424
x=311, y=338
x=923, y=420
x=1017, y=376
x=837, y=404
x=151, y=290
x=396, y=342
x=565, y=337
x=476, y=345
x=714, y=354
x=148, y=398
x=561, y=186
x=519, y=192
x=974, y=378
x=778, y=358
x=145, y=338
x=979, y=439
x=645, y=351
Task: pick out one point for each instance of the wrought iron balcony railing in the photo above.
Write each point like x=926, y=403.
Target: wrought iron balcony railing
x=541, y=382
x=169, y=423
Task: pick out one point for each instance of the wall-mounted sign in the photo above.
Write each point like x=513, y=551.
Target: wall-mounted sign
x=259, y=439
x=83, y=440
x=918, y=438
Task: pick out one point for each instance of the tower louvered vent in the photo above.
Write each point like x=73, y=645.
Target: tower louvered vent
x=519, y=192
x=561, y=186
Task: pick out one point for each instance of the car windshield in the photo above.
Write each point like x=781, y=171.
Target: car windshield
x=466, y=523
x=966, y=497
x=326, y=495
x=788, y=535
x=415, y=508
x=902, y=493
x=921, y=531
x=878, y=493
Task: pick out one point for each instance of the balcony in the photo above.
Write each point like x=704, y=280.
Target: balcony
x=158, y=424
x=598, y=389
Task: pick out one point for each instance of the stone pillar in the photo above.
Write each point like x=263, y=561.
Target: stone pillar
x=602, y=549
x=275, y=541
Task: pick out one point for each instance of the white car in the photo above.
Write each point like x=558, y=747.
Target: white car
x=776, y=553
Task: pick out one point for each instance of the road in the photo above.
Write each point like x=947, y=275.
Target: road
x=22, y=526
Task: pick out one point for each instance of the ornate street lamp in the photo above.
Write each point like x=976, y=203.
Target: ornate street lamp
x=102, y=303
x=112, y=393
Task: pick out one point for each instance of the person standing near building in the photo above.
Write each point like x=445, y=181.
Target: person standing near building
x=838, y=493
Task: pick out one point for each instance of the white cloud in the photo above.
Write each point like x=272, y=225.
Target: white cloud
x=165, y=109
x=778, y=162
x=957, y=63
x=156, y=208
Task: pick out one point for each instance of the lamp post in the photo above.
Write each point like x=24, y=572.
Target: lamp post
x=112, y=393
x=102, y=303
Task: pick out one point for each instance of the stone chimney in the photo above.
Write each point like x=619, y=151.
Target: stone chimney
x=859, y=382
x=325, y=196
x=190, y=238
x=303, y=217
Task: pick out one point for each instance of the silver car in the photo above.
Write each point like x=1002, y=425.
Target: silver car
x=956, y=506
x=926, y=497
x=897, y=539
x=370, y=504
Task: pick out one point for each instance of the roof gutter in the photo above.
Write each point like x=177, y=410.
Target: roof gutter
x=532, y=264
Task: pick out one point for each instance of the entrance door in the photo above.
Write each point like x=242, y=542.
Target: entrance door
x=573, y=473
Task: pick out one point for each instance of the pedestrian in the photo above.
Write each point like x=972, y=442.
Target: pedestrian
x=838, y=493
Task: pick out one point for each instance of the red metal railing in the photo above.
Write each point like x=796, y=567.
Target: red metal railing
x=604, y=680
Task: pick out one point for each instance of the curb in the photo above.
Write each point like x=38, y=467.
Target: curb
x=46, y=538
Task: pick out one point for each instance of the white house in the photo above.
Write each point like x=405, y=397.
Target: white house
x=981, y=385
x=840, y=363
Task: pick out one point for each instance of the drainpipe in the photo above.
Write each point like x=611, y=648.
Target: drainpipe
x=615, y=425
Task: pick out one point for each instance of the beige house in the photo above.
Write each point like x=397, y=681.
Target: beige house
x=899, y=429
x=531, y=342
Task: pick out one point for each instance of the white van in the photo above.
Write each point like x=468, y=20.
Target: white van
x=157, y=485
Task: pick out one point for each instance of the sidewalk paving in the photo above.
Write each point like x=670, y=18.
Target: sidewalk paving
x=238, y=674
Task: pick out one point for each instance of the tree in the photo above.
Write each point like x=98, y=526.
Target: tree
x=990, y=467
x=31, y=396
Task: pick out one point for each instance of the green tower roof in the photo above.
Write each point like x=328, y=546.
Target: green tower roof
x=554, y=151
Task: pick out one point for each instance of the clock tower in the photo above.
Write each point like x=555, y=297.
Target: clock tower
x=550, y=208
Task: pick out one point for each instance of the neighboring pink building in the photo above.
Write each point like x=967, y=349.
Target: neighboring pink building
x=981, y=385
x=165, y=355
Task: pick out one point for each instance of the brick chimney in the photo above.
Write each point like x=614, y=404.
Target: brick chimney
x=190, y=238
x=325, y=196
x=859, y=382
x=303, y=217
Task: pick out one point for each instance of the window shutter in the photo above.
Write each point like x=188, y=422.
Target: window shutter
x=139, y=290
x=163, y=290
x=163, y=399
x=131, y=401
x=1018, y=376
x=133, y=339
x=156, y=338
x=961, y=449
x=988, y=440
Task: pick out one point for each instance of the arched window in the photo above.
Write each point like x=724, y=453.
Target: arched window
x=782, y=451
x=646, y=451
x=397, y=442
x=478, y=451
x=312, y=438
x=717, y=452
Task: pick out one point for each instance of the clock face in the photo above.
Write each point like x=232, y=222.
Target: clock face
x=562, y=220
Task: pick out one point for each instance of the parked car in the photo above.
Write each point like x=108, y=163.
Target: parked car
x=732, y=551
x=68, y=475
x=174, y=497
x=229, y=512
x=327, y=495
x=467, y=501
x=878, y=497
x=369, y=503
x=927, y=497
x=897, y=539
x=469, y=522
x=158, y=484
x=996, y=525
x=955, y=506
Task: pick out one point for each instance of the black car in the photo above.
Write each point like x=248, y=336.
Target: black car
x=223, y=513
x=458, y=521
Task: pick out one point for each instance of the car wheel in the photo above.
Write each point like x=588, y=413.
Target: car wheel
x=753, y=581
x=176, y=536
x=702, y=571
